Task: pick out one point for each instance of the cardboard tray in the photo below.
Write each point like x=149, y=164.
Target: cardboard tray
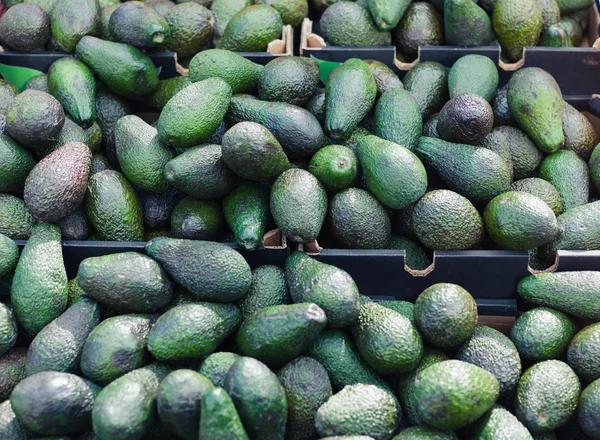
x=575, y=69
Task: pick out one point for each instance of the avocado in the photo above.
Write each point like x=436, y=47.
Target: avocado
x=500, y=424
x=594, y=166
x=484, y=174
x=70, y=132
x=134, y=395
x=298, y=205
x=13, y=372
x=547, y=289
x=167, y=88
x=526, y=157
x=424, y=433
x=398, y=118
x=54, y=403
x=158, y=208
x=466, y=24
x=502, y=113
x=216, y=366
x=569, y=174
x=39, y=83
x=289, y=79
x=105, y=14
x=466, y=119
x=251, y=151
x=99, y=163
x=336, y=167
x=349, y=96
x=569, y=6
x=198, y=220
x=223, y=11
x=393, y=173
x=363, y=32
x=387, y=14
x=9, y=255
x=277, y=334
x=357, y=220
x=430, y=127
x=124, y=69
x=421, y=25
x=34, y=119
x=139, y=25
x=116, y=347
x=219, y=419
x=452, y=394
x=246, y=211
x=251, y=29
x=555, y=36
x=7, y=93
x=190, y=264
x=491, y=350
x=336, y=351
x=128, y=282
x=428, y=83
x=580, y=136
x=573, y=29
x=316, y=105
x=520, y=221
x=292, y=12
x=517, y=24
x=15, y=220
x=71, y=20
x=415, y=256
x=385, y=78
x=535, y=101
x=178, y=402
x=268, y=288
x=38, y=297
x=191, y=28
x=194, y=113
x=588, y=410
x=259, y=398
x=387, y=340
x=10, y=427
x=113, y=208
x=547, y=396
x=307, y=387
x=542, y=333
x=550, y=13
x=241, y=74
x=497, y=142
x=25, y=28
x=160, y=6
x=358, y=410
x=334, y=290
x=541, y=189
x=473, y=74
x=583, y=353
x=15, y=165
x=8, y=329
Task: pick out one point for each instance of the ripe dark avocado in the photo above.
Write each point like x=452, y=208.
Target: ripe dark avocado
x=466, y=24
x=474, y=74
x=13, y=372
x=363, y=32
x=336, y=167
x=124, y=69
x=588, y=410
x=569, y=174
x=26, y=27
x=16, y=222
x=289, y=79
x=139, y=25
x=56, y=186
x=198, y=220
x=109, y=109
x=584, y=351
x=54, y=403
x=246, y=211
x=357, y=220
x=398, y=118
x=219, y=419
x=421, y=25
x=34, y=119
x=466, y=119
x=517, y=24
x=268, y=288
x=251, y=29
x=502, y=113
x=71, y=20
x=15, y=165
x=428, y=83
x=191, y=28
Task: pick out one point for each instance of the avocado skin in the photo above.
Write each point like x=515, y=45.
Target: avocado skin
x=268, y=288
x=246, y=211
x=198, y=220
x=349, y=95
x=491, y=350
x=546, y=289
x=10, y=427
x=15, y=165
x=16, y=222
x=588, y=409
x=167, y=88
x=113, y=208
x=421, y=25
x=32, y=309
x=500, y=424
x=110, y=107
x=570, y=176
x=465, y=119
x=26, y=27
x=428, y=83
x=116, y=347
x=316, y=105
x=398, y=118
x=364, y=32
x=385, y=78
x=222, y=12
x=547, y=396
x=289, y=79
x=139, y=25
x=336, y=167
x=298, y=205
x=542, y=333
x=541, y=189
x=526, y=157
x=251, y=29
x=357, y=220
x=415, y=257
x=466, y=24
x=134, y=394
x=502, y=113
x=189, y=262
x=124, y=69
x=72, y=20
x=583, y=353
x=580, y=136
x=452, y=394
x=8, y=329
x=569, y=6
x=497, y=142
x=13, y=371
x=535, y=100
x=424, y=433
x=258, y=397
x=219, y=419
x=517, y=24
x=296, y=129
x=474, y=74
x=555, y=36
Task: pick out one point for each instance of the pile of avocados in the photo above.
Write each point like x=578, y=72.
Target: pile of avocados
x=185, y=341
x=510, y=24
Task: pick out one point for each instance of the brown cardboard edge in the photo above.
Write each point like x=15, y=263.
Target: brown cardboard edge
x=313, y=249
x=274, y=239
